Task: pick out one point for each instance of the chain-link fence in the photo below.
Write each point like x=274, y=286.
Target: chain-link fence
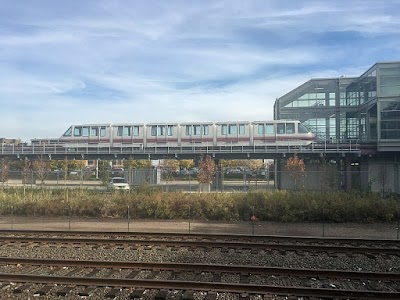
x=243, y=180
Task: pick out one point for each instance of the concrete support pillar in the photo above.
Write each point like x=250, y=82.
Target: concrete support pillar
x=348, y=174
x=218, y=182
x=278, y=173
x=396, y=182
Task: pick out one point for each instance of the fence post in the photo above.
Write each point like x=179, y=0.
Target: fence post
x=128, y=218
x=189, y=219
x=398, y=224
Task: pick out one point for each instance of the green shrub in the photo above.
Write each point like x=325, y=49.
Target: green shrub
x=152, y=203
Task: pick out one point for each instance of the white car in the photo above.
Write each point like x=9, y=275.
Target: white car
x=118, y=183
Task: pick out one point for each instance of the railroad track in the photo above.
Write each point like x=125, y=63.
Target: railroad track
x=288, y=243
x=60, y=277
x=177, y=275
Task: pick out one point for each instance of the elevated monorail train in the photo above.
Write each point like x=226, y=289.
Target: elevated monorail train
x=257, y=133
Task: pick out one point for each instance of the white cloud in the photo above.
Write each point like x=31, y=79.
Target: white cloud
x=121, y=61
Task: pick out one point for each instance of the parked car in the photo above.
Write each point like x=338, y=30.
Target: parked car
x=118, y=183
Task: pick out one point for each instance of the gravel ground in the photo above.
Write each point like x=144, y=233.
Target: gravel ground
x=356, y=262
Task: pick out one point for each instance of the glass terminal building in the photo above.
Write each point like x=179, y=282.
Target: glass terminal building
x=365, y=108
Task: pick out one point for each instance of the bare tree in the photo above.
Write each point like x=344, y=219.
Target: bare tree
x=4, y=170
x=42, y=169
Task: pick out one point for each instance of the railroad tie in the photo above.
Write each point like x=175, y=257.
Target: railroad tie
x=93, y=272
x=87, y=291
x=113, y=293
x=22, y=288
x=161, y=295
x=188, y=295
x=64, y=291
x=132, y=274
x=211, y=296
x=244, y=296
x=44, y=290
x=136, y=294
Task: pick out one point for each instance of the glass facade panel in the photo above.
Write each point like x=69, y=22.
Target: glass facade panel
x=317, y=126
x=390, y=119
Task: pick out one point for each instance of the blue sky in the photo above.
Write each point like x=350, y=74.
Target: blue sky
x=95, y=61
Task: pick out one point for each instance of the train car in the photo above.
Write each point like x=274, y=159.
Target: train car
x=232, y=133
x=127, y=134
x=162, y=134
x=89, y=134
x=281, y=133
x=197, y=133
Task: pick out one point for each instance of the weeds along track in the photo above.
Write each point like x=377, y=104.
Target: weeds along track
x=183, y=281
x=120, y=265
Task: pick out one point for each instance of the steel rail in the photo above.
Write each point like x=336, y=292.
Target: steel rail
x=200, y=286
x=205, y=244
x=203, y=267
x=278, y=238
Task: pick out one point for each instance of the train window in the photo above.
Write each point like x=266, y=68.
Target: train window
x=153, y=130
x=302, y=128
x=205, y=130
x=78, y=131
x=135, y=130
x=188, y=129
x=232, y=129
x=102, y=131
x=289, y=128
x=280, y=128
x=196, y=130
x=119, y=130
x=161, y=130
x=261, y=129
x=94, y=131
x=269, y=129
x=170, y=130
x=127, y=130
x=241, y=129
x=224, y=128
x=85, y=131
x=68, y=132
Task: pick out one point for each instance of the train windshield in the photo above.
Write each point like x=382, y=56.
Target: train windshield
x=68, y=132
x=303, y=129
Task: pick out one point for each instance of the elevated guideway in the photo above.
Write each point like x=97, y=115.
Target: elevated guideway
x=81, y=151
